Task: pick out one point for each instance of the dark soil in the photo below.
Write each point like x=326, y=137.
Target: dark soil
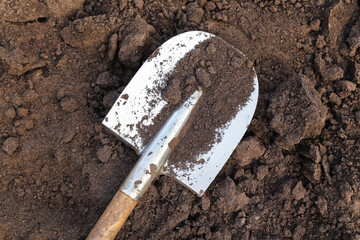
x=295, y=175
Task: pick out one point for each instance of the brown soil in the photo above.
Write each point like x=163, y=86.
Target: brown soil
x=294, y=175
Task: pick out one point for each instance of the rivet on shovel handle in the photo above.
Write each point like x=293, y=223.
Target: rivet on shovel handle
x=113, y=217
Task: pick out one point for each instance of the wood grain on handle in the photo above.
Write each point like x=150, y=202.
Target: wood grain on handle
x=113, y=217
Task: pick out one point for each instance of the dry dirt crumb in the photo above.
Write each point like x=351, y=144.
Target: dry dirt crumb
x=249, y=148
x=299, y=191
x=10, y=145
x=298, y=232
x=297, y=111
x=10, y=113
x=109, y=99
x=68, y=104
x=228, y=197
x=104, y=153
x=107, y=79
x=139, y=39
x=22, y=112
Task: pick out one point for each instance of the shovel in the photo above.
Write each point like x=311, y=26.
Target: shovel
x=135, y=111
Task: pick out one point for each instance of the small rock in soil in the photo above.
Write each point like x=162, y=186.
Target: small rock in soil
x=229, y=198
x=261, y=172
x=319, y=2
x=284, y=189
x=61, y=93
x=311, y=152
x=339, y=14
x=346, y=192
x=110, y=98
x=298, y=232
x=321, y=203
x=107, y=79
x=172, y=93
x=81, y=14
x=328, y=72
x=90, y=31
x=112, y=46
x=29, y=124
x=59, y=154
x=10, y=113
x=297, y=111
x=123, y=4
x=69, y=135
x=320, y=42
x=315, y=25
x=164, y=188
x=211, y=70
x=346, y=87
x=190, y=80
x=30, y=96
x=16, y=100
x=210, y=6
x=205, y=203
x=139, y=4
x=10, y=145
x=335, y=99
x=203, y=77
x=68, y=104
x=104, y=153
x=287, y=233
x=248, y=149
x=211, y=48
x=311, y=170
x=22, y=112
x=138, y=42
x=332, y=73
x=299, y=192
x=194, y=13
x=237, y=61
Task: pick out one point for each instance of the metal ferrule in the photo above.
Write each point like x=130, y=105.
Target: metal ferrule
x=157, y=152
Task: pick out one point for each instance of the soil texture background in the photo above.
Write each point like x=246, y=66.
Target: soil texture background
x=295, y=174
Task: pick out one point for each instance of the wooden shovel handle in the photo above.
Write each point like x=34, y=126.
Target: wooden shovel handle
x=113, y=217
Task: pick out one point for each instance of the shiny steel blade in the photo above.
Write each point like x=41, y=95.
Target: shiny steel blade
x=141, y=96
x=157, y=152
x=198, y=177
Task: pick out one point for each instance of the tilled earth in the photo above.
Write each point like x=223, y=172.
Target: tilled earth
x=295, y=175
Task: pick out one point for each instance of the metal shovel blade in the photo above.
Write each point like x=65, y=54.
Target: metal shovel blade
x=142, y=97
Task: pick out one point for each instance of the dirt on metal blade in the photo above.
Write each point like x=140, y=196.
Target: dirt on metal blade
x=227, y=79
